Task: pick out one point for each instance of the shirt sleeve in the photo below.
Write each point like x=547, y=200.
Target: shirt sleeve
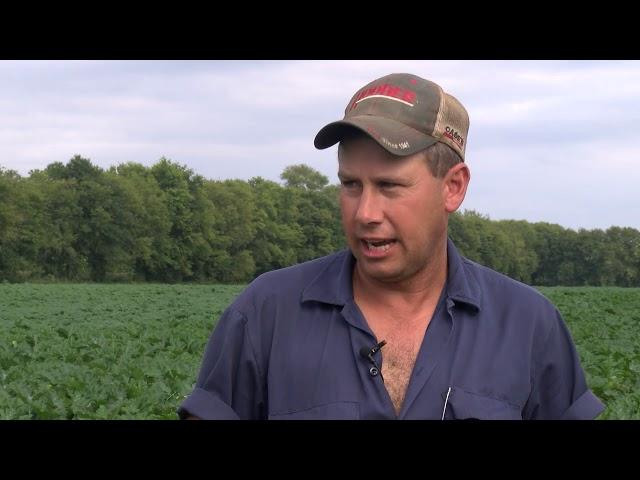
x=230, y=384
x=559, y=388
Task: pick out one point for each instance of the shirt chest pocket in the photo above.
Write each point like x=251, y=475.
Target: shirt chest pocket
x=465, y=405
x=327, y=411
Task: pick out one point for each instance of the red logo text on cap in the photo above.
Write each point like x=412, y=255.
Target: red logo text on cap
x=386, y=90
x=453, y=135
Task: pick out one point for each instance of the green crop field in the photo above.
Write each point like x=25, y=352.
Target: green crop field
x=605, y=325
x=101, y=351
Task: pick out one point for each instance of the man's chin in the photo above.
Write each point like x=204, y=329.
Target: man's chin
x=380, y=273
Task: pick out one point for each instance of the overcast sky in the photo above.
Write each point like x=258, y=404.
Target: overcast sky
x=553, y=141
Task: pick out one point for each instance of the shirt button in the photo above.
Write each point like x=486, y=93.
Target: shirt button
x=373, y=371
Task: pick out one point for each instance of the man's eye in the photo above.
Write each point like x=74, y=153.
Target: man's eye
x=348, y=183
x=388, y=185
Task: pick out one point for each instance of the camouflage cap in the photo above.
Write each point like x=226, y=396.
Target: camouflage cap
x=404, y=114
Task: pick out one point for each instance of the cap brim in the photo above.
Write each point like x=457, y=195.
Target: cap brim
x=393, y=136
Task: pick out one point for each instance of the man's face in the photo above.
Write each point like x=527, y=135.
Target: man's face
x=393, y=211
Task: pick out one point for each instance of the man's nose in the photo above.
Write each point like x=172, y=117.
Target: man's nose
x=369, y=207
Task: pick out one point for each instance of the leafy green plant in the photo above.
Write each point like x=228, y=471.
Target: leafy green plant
x=96, y=351
x=103, y=351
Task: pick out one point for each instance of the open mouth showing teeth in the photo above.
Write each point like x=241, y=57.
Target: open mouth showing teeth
x=379, y=246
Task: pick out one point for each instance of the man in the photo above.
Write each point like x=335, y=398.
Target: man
x=400, y=325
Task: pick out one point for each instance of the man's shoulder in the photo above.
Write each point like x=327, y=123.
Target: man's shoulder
x=498, y=288
x=300, y=274
x=289, y=282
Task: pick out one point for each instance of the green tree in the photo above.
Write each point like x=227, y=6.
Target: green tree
x=177, y=183
x=59, y=219
x=278, y=236
x=521, y=259
x=234, y=223
x=12, y=264
x=303, y=176
x=622, y=264
x=147, y=221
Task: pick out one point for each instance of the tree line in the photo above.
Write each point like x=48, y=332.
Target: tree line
x=164, y=223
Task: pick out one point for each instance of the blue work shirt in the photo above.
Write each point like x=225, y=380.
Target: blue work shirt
x=289, y=348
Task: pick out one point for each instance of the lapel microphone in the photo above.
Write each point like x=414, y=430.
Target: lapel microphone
x=368, y=353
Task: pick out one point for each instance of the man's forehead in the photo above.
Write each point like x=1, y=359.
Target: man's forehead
x=378, y=166
x=364, y=148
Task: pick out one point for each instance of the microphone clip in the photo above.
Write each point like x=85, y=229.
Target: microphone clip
x=368, y=353
x=375, y=349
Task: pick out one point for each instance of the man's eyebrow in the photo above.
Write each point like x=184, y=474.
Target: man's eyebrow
x=391, y=178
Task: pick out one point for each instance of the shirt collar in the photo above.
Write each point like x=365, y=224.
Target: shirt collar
x=462, y=283
x=333, y=285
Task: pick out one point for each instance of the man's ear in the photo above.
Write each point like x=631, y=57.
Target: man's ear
x=455, y=186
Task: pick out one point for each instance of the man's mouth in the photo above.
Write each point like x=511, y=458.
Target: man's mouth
x=378, y=245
